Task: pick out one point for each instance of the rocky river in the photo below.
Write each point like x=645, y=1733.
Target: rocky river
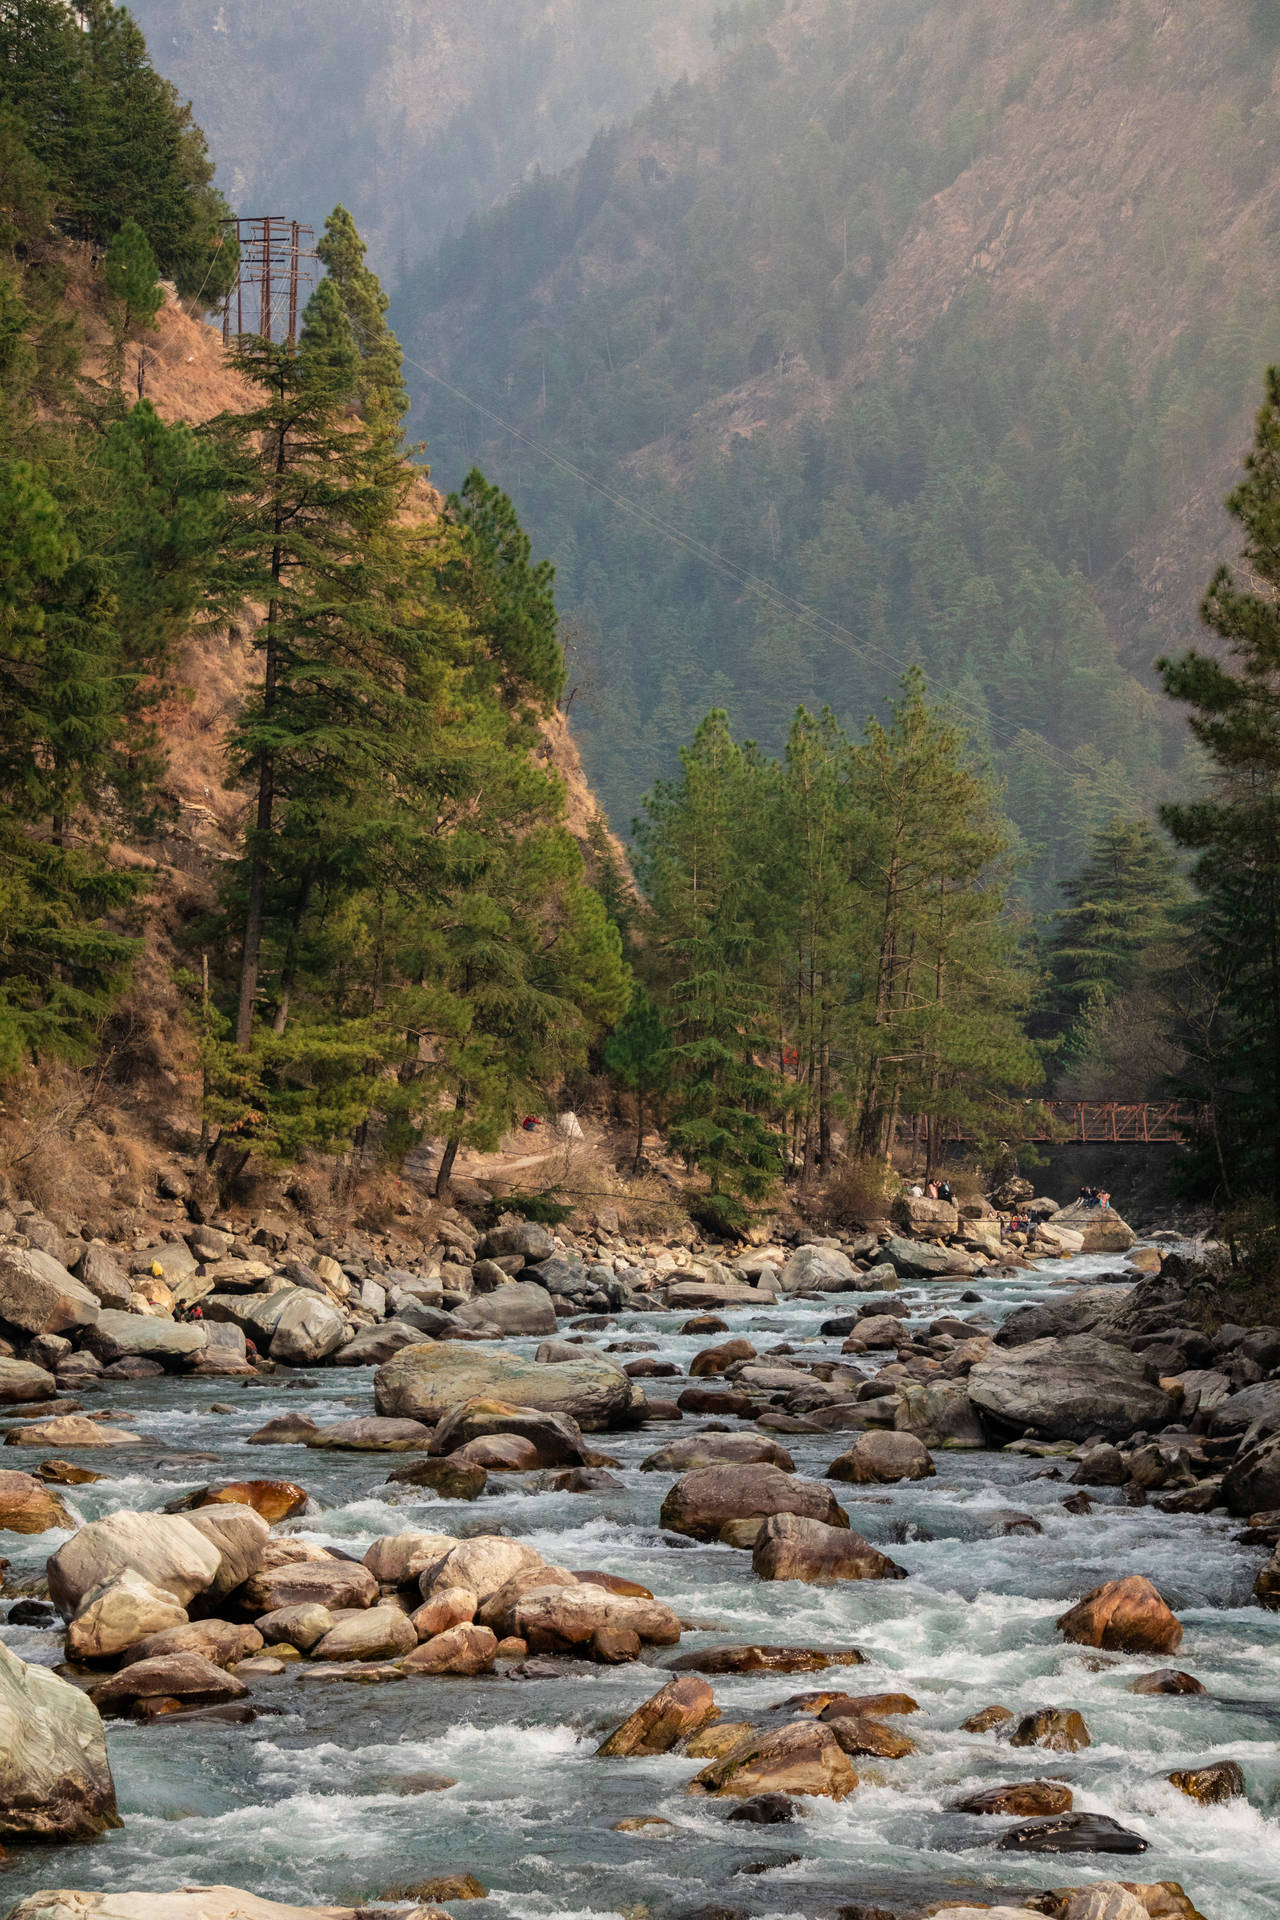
x=326, y=1792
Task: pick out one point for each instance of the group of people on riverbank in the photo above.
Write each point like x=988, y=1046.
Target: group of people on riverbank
x=1093, y=1197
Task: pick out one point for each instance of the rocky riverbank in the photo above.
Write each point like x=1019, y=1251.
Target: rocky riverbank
x=606, y=1461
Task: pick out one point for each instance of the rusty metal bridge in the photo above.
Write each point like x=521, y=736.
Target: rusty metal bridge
x=1105, y=1122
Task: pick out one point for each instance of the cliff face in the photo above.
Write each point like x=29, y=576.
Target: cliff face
x=412, y=112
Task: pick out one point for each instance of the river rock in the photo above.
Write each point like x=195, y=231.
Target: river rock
x=675, y=1712
x=940, y=1414
x=21, y=1383
x=449, y=1607
x=1103, y=1229
x=1167, y=1680
x=173, y=1676
x=528, y=1238
x=38, y=1295
x=286, y=1430
x=556, y=1437
x=880, y=1459
x=718, y=1450
x=55, y=1782
x=1252, y=1482
x=569, y=1619
x=1072, y=1833
x=919, y=1260
x=189, y=1903
x=761, y=1659
x=1114, y=1900
x=100, y=1271
x=1069, y=1389
x=330, y=1583
x=71, y=1430
x=986, y=1720
x=481, y=1565
x=791, y=1546
x=462, y=1650
x=925, y=1219
x=1023, y=1798
x=166, y=1550
x=860, y=1735
x=372, y=1345
x=448, y=1479
x=371, y=1435
x=521, y=1308
x=1123, y=1616
x=1220, y=1780
x=499, y=1453
x=27, y=1506
x=378, y=1633
x=1081, y=1311
x=176, y=1344
x=425, y=1382
x=1057, y=1729
x=700, y=1503
x=302, y=1626
x=119, y=1613
x=306, y=1330
x=275, y=1500
x=803, y=1757
x=240, y=1535
x=222, y=1642
x=400, y=1559
x=817, y=1270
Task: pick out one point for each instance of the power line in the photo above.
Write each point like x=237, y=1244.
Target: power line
x=838, y=634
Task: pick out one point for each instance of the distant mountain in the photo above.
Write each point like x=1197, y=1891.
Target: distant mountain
x=916, y=330
x=412, y=112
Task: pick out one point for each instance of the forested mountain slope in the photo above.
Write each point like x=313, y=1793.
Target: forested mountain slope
x=413, y=112
x=943, y=320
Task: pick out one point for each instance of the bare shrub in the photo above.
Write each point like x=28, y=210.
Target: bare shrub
x=859, y=1191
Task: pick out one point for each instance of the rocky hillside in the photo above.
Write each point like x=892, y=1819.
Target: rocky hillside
x=915, y=331
x=413, y=115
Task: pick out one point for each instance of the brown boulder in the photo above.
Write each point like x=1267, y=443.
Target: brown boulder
x=224, y=1643
x=371, y=1435
x=499, y=1453
x=859, y=1733
x=1056, y=1728
x=675, y=1712
x=714, y=1742
x=287, y=1430
x=802, y=1757
x=758, y=1659
x=791, y=1547
x=985, y=1720
x=176, y=1676
x=1123, y=1616
x=565, y=1619
x=1167, y=1680
x=274, y=1499
x=27, y=1506
x=880, y=1459
x=1222, y=1780
x=296, y=1626
x=450, y=1607
x=462, y=1650
x=71, y=1430
x=375, y=1633
x=331, y=1583
x=716, y=1360
x=701, y=1502
x=878, y=1705
x=1025, y=1798
x=21, y=1383
x=119, y=1613
x=555, y=1437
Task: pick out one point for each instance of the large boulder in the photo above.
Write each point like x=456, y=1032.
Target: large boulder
x=791, y=1547
x=880, y=1459
x=100, y=1271
x=462, y=1650
x=71, y=1430
x=166, y=1550
x=38, y=1295
x=307, y=1329
x=327, y=1583
x=369, y=1435
x=718, y=1450
x=939, y=1413
x=1079, y=1312
x=28, y=1506
x=425, y=1382
x=55, y=1783
x=521, y=1308
x=400, y=1559
x=1123, y=1616
x=176, y=1344
x=1103, y=1230
x=240, y=1535
x=1254, y=1412
x=560, y=1619
x=21, y=1383
x=803, y=1757
x=1252, y=1483
x=702, y=1502
x=480, y=1565
x=224, y=1642
x=118, y=1614
x=377, y=1633
x=925, y=1219
x=526, y=1238
x=372, y=1345
x=920, y=1260
x=188, y=1677
x=818, y=1270
x=557, y=1437
x=1069, y=1389
x=674, y=1712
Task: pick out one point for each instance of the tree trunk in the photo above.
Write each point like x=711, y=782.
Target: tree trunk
x=635, y=1164
x=289, y=972
x=450, y=1154
x=251, y=953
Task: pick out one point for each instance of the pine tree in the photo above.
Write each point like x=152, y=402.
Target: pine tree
x=1233, y=828
x=380, y=387
x=638, y=1056
x=509, y=597
x=132, y=281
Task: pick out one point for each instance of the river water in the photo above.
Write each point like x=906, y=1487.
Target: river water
x=320, y=1798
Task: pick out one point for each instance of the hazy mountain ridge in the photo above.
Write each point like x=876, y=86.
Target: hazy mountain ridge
x=412, y=112
x=1074, y=203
